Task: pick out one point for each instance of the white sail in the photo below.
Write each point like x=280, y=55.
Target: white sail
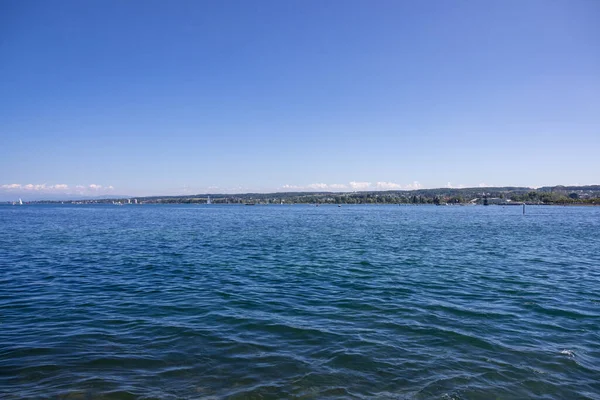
x=20, y=202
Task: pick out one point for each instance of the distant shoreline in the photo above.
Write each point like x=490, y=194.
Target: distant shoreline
x=506, y=195
x=98, y=203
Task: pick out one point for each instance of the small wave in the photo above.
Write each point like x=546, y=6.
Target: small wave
x=567, y=352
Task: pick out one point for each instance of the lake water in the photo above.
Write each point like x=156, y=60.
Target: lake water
x=269, y=302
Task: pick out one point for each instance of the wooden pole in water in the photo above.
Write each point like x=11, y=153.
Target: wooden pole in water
x=523, y=208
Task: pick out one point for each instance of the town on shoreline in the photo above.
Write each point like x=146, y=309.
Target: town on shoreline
x=549, y=195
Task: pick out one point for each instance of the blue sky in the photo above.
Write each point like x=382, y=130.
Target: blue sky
x=157, y=97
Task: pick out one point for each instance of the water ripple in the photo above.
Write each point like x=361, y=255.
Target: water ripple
x=359, y=302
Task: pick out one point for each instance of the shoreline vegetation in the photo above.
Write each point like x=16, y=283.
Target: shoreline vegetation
x=549, y=195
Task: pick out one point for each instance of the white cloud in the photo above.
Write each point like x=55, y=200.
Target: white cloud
x=338, y=186
x=484, y=185
x=360, y=185
x=388, y=186
x=32, y=187
x=11, y=186
x=413, y=186
x=321, y=186
x=95, y=188
x=450, y=186
x=353, y=186
x=61, y=186
x=315, y=187
x=291, y=187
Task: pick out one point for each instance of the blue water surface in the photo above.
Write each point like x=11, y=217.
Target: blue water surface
x=297, y=301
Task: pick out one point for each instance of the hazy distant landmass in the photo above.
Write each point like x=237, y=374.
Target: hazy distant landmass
x=506, y=195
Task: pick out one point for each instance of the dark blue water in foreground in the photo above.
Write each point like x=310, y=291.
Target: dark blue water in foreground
x=268, y=302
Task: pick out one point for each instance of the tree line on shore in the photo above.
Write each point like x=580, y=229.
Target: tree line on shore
x=489, y=195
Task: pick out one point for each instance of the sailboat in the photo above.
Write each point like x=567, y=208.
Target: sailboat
x=208, y=200
x=20, y=202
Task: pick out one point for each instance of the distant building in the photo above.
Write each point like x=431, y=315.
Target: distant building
x=490, y=200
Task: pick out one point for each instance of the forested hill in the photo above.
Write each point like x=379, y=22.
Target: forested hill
x=479, y=195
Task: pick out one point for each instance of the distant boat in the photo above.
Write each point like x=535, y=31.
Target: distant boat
x=249, y=204
x=208, y=200
x=20, y=202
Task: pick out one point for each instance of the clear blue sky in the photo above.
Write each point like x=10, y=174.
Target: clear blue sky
x=168, y=97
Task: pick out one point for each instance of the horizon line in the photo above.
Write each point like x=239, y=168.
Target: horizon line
x=300, y=192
